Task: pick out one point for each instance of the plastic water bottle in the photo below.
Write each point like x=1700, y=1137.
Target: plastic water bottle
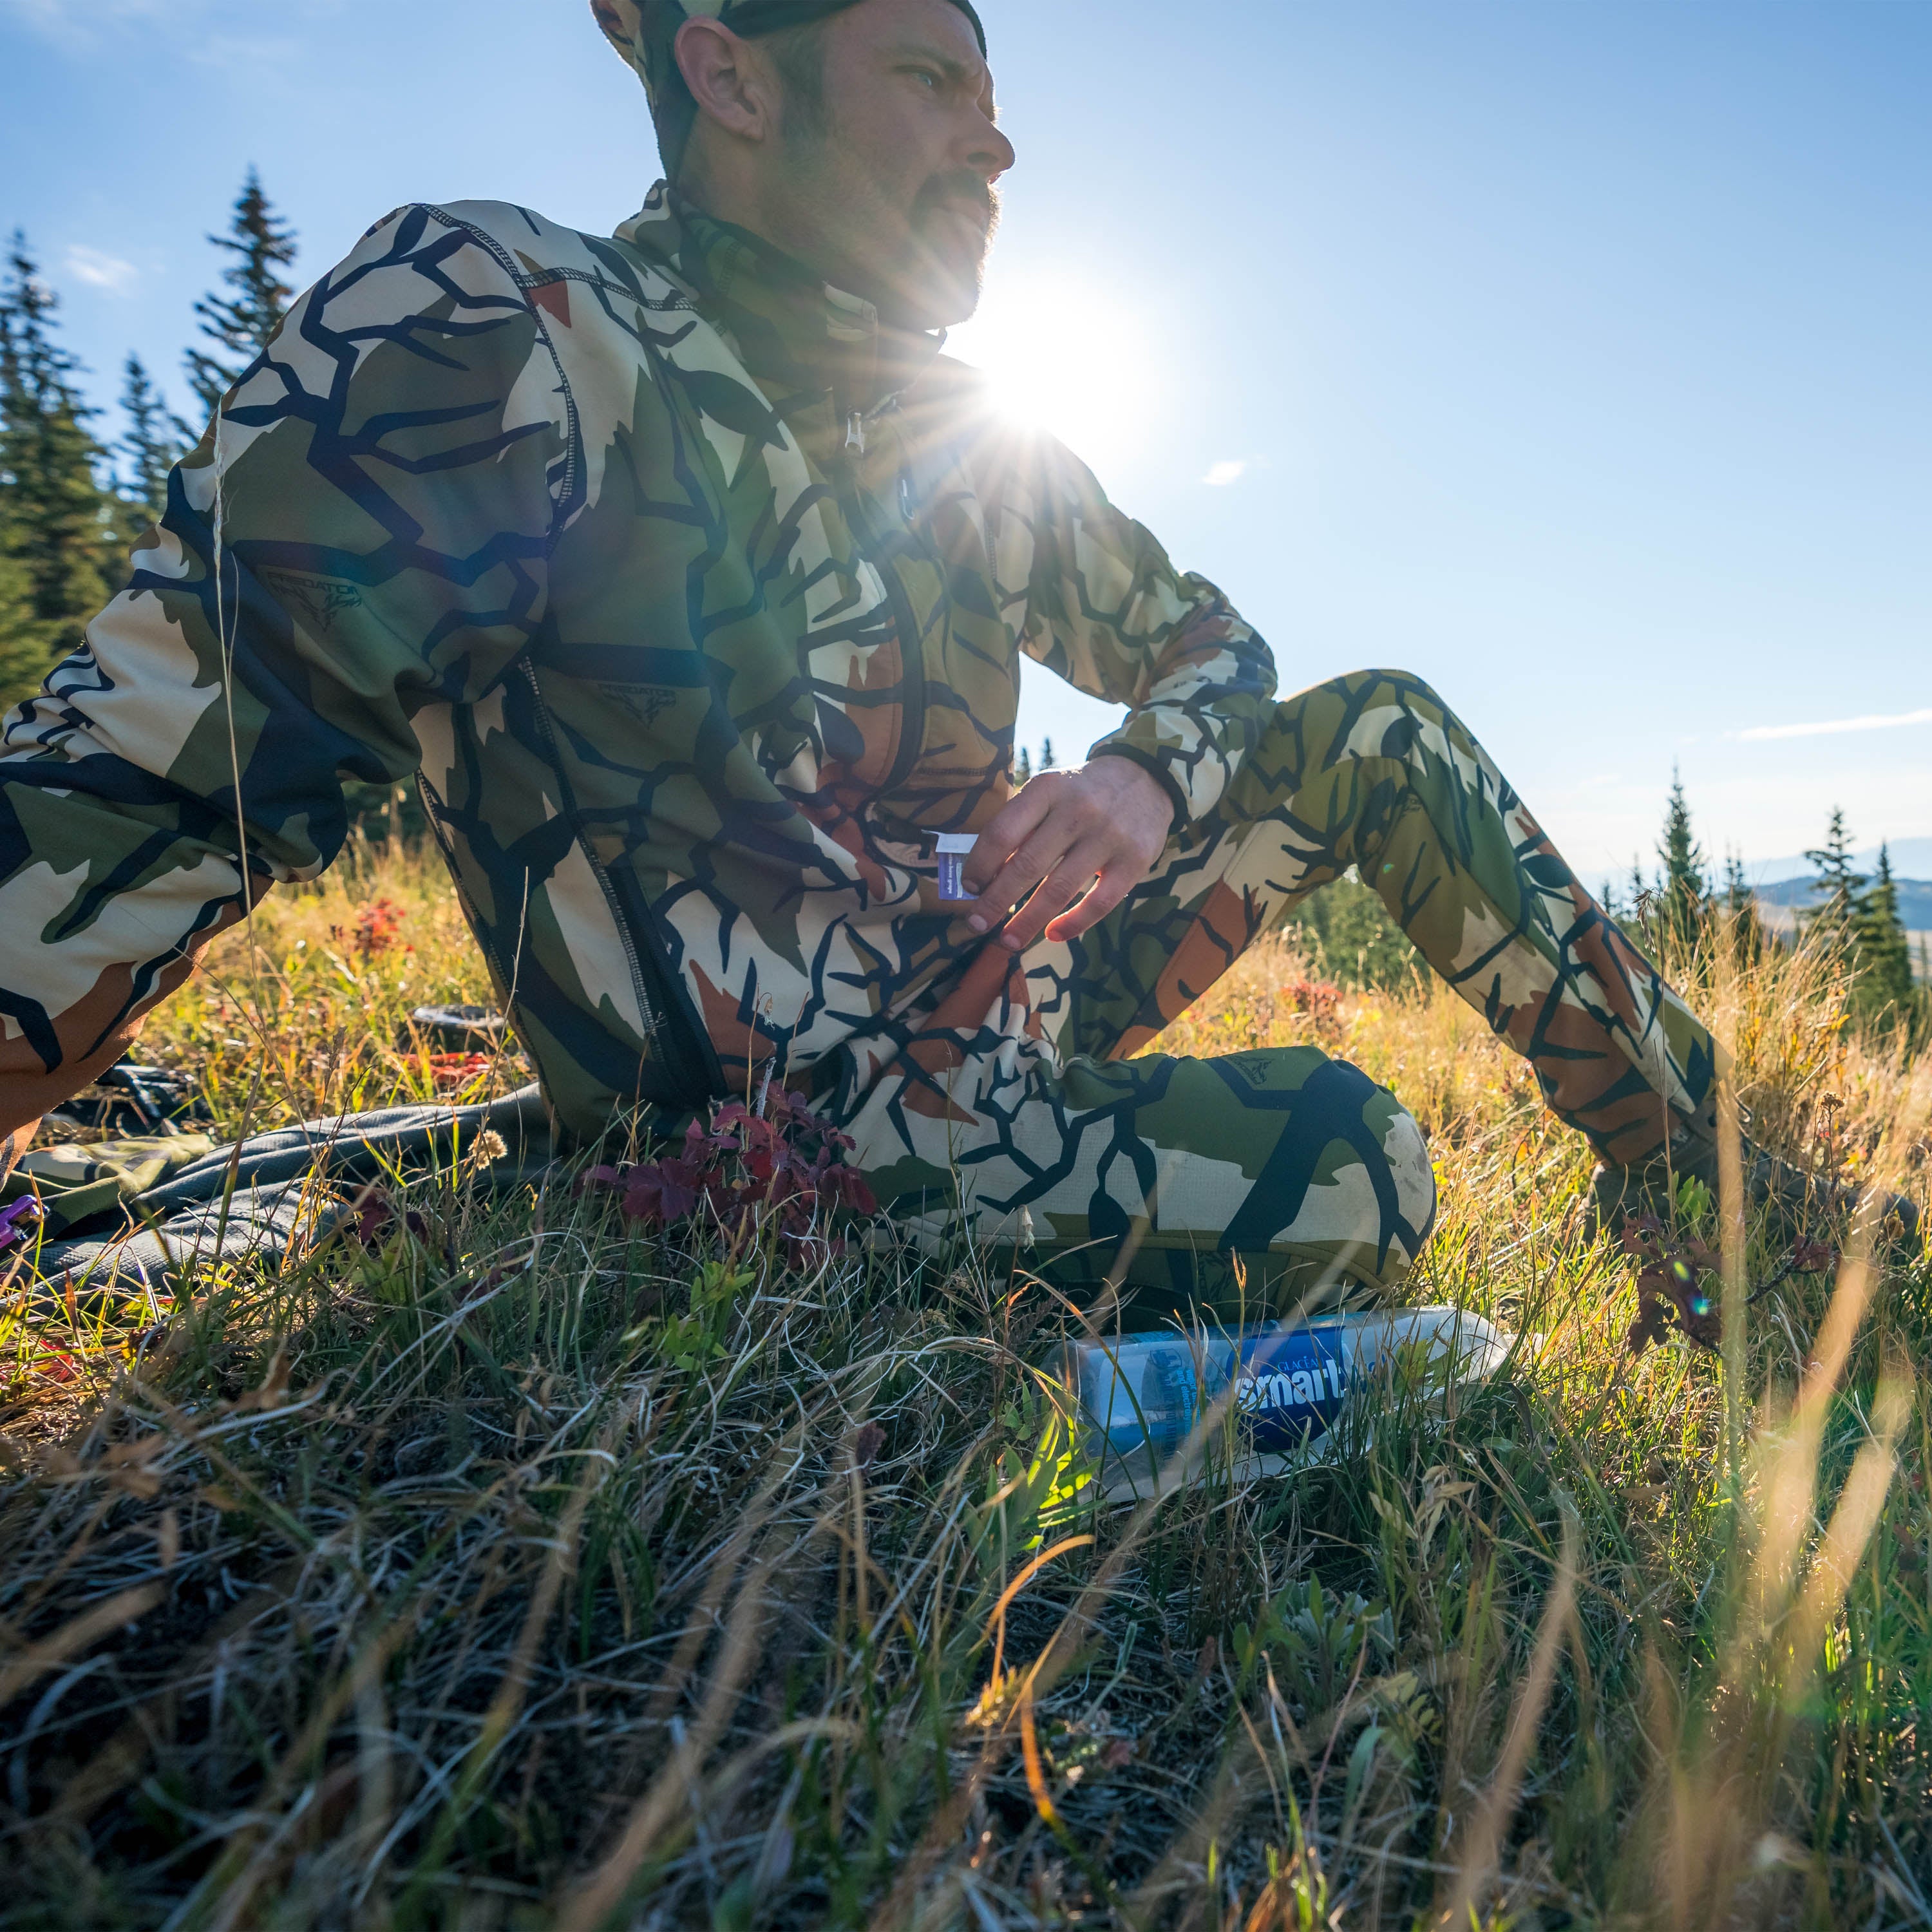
x=1139, y=1397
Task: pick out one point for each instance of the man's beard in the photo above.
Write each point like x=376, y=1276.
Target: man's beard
x=941, y=199
x=946, y=193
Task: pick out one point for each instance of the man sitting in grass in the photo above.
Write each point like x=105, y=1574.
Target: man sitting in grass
x=691, y=580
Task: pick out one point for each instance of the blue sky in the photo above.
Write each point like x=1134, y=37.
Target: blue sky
x=1572, y=356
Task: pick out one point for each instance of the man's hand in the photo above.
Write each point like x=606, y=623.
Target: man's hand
x=1096, y=831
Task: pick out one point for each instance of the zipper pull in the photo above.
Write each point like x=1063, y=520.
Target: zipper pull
x=855, y=434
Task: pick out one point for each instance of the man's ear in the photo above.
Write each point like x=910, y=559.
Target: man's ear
x=732, y=86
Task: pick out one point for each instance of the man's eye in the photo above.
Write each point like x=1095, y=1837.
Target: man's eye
x=926, y=75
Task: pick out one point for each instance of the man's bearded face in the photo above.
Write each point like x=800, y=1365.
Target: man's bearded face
x=886, y=183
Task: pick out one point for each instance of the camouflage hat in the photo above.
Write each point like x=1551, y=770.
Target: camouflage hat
x=644, y=31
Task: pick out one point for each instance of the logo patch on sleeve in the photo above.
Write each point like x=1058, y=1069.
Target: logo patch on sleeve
x=320, y=597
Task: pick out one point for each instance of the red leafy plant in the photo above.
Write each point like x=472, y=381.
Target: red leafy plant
x=378, y=926
x=1320, y=999
x=57, y=1365
x=785, y=1161
x=1676, y=1283
x=1679, y=1282
x=448, y=1072
x=373, y=1218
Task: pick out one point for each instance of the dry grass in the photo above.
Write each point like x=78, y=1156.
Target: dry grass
x=521, y=1572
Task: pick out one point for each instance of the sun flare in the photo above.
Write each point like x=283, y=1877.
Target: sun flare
x=1063, y=359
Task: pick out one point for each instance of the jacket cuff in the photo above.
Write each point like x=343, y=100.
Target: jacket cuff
x=1155, y=766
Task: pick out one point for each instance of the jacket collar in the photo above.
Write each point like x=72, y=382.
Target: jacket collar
x=799, y=337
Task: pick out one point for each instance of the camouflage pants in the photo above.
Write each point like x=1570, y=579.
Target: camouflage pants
x=1008, y=1103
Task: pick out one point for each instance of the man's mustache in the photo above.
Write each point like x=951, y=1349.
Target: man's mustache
x=958, y=187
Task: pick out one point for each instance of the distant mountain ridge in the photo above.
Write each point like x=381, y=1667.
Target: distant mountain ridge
x=1911, y=858
x=1915, y=899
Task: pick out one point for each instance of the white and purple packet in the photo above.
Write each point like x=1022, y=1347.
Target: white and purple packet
x=953, y=848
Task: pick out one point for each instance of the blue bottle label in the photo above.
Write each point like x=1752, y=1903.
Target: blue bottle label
x=1290, y=1386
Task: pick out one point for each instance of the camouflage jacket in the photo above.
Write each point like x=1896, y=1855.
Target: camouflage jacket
x=694, y=597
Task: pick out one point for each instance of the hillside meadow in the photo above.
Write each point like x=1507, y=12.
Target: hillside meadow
x=499, y=1564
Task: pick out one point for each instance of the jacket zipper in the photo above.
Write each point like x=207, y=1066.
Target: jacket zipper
x=877, y=552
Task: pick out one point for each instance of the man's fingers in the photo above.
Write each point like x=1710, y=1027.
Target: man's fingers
x=1015, y=821
x=1018, y=877
x=1112, y=887
x=1027, y=861
x=1053, y=838
x=1065, y=884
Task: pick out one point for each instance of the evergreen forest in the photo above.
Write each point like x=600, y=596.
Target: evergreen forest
x=73, y=501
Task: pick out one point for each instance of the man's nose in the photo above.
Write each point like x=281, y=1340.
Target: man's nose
x=988, y=151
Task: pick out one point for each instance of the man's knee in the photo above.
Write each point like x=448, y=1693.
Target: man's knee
x=1376, y=687
x=1329, y=1162
x=1334, y=1207
x=1372, y=1203
x=1361, y=716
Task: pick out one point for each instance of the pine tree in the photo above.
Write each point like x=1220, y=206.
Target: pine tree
x=1884, y=985
x=1740, y=902
x=23, y=656
x=155, y=440
x=1833, y=912
x=1685, y=886
x=1022, y=767
x=240, y=324
x=1046, y=754
x=57, y=525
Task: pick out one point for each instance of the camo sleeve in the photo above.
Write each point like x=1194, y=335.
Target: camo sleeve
x=364, y=529
x=1104, y=607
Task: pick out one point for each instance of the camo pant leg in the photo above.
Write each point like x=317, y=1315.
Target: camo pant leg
x=1373, y=770
x=1008, y=1102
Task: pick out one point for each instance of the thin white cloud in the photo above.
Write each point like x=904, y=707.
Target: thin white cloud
x=246, y=56
x=1229, y=470
x=74, y=28
x=100, y=271
x=1823, y=728
x=83, y=27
